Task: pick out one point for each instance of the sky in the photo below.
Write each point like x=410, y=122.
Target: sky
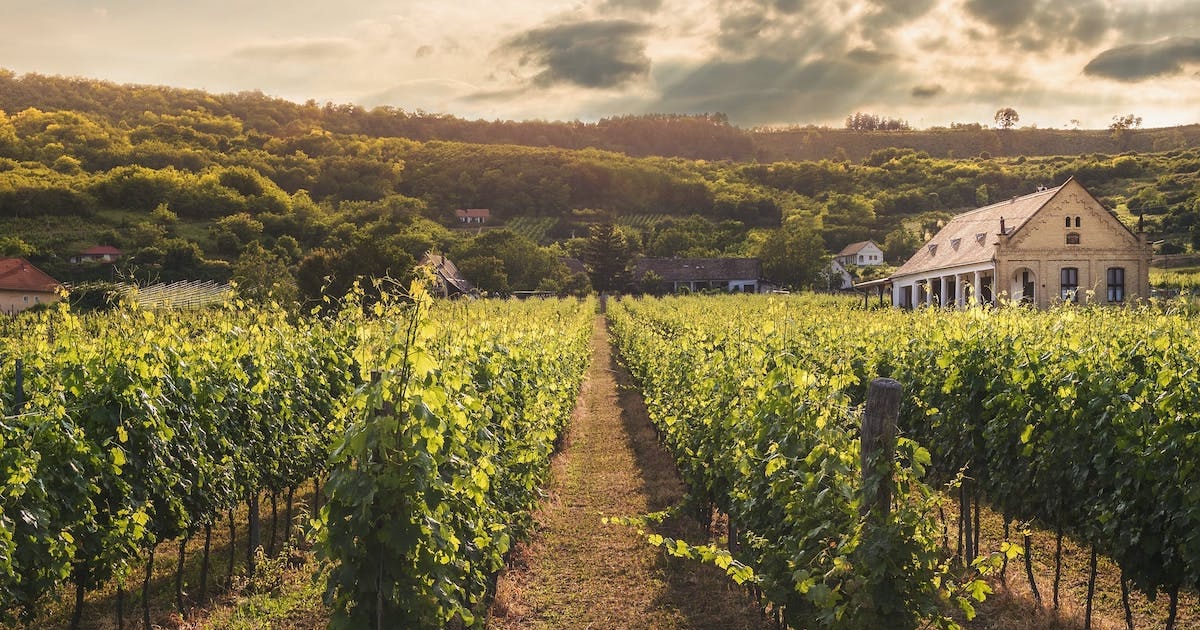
x=1059, y=64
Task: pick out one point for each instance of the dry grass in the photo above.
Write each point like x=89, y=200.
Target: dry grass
x=1013, y=607
x=578, y=573
x=286, y=579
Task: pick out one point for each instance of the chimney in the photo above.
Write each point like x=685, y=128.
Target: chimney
x=1002, y=230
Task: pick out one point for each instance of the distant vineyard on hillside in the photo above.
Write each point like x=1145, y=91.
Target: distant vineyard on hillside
x=532, y=228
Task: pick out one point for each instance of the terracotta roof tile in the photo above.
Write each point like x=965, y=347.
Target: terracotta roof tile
x=17, y=274
x=101, y=250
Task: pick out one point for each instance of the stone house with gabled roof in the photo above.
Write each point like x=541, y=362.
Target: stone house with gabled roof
x=1052, y=245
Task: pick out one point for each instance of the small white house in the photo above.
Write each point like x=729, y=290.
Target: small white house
x=476, y=216
x=860, y=254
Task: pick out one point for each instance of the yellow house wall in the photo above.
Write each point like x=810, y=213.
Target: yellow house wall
x=1041, y=246
x=17, y=301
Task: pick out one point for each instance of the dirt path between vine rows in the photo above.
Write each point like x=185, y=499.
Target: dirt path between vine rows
x=576, y=572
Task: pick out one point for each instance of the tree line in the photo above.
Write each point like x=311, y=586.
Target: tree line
x=204, y=194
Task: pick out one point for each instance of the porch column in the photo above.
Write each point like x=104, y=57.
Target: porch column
x=959, y=290
x=978, y=288
x=941, y=290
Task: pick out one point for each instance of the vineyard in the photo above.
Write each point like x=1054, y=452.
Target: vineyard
x=1082, y=422
x=430, y=425
x=532, y=228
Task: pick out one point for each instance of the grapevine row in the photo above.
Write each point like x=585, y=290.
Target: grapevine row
x=140, y=427
x=446, y=451
x=1080, y=420
x=143, y=427
x=759, y=418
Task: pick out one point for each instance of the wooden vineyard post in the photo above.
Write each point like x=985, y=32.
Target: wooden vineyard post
x=879, y=445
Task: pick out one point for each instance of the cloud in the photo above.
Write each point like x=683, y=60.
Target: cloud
x=892, y=14
x=592, y=54
x=1003, y=16
x=1044, y=26
x=1138, y=62
x=1145, y=21
x=870, y=57
x=770, y=90
x=423, y=51
x=645, y=6
x=741, y=29
x=927, y=90
x=297, y=50
x=789, y=6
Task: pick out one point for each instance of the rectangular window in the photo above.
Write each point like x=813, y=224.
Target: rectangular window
x=1116, y=284
x=1070, y=283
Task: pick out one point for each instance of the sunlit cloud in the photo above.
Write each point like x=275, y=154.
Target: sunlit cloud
x=762, y=62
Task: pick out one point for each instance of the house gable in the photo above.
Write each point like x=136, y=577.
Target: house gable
x=1073, y=210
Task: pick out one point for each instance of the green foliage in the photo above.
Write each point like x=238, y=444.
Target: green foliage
x=607, y=258
x=330, y=177
x=444, y=454
x=794, y=255
x=755, y=400
x=524, y=265
x=142, y=426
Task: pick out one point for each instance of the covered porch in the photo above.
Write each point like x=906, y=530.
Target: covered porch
x=954, y=288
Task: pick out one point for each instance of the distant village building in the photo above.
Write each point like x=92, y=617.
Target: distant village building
x=448, y=281
x=23, y=286
x=861, y=254
x=735, y=275
x=1055, y=244
x=476, y=216
x=99, y=253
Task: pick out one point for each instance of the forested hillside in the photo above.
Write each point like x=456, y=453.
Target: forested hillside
x=290, y=197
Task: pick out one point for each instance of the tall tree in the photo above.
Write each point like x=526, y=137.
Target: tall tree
x=606, y=257
x=1007, y=117
x=794, y=255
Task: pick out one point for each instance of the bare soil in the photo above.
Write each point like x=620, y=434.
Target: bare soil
x=576, y=572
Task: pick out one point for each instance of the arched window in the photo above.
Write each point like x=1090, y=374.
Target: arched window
x=1072, y=238
x=1077, y=221
x=1068, y=221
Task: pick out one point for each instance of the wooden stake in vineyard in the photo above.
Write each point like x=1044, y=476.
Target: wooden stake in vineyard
x=879, y=445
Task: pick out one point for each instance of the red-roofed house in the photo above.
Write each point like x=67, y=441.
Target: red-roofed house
x=473, y=215
x=24, y=286
x=99, y=253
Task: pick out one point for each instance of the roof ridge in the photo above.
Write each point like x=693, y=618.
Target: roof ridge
x=990, y=206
